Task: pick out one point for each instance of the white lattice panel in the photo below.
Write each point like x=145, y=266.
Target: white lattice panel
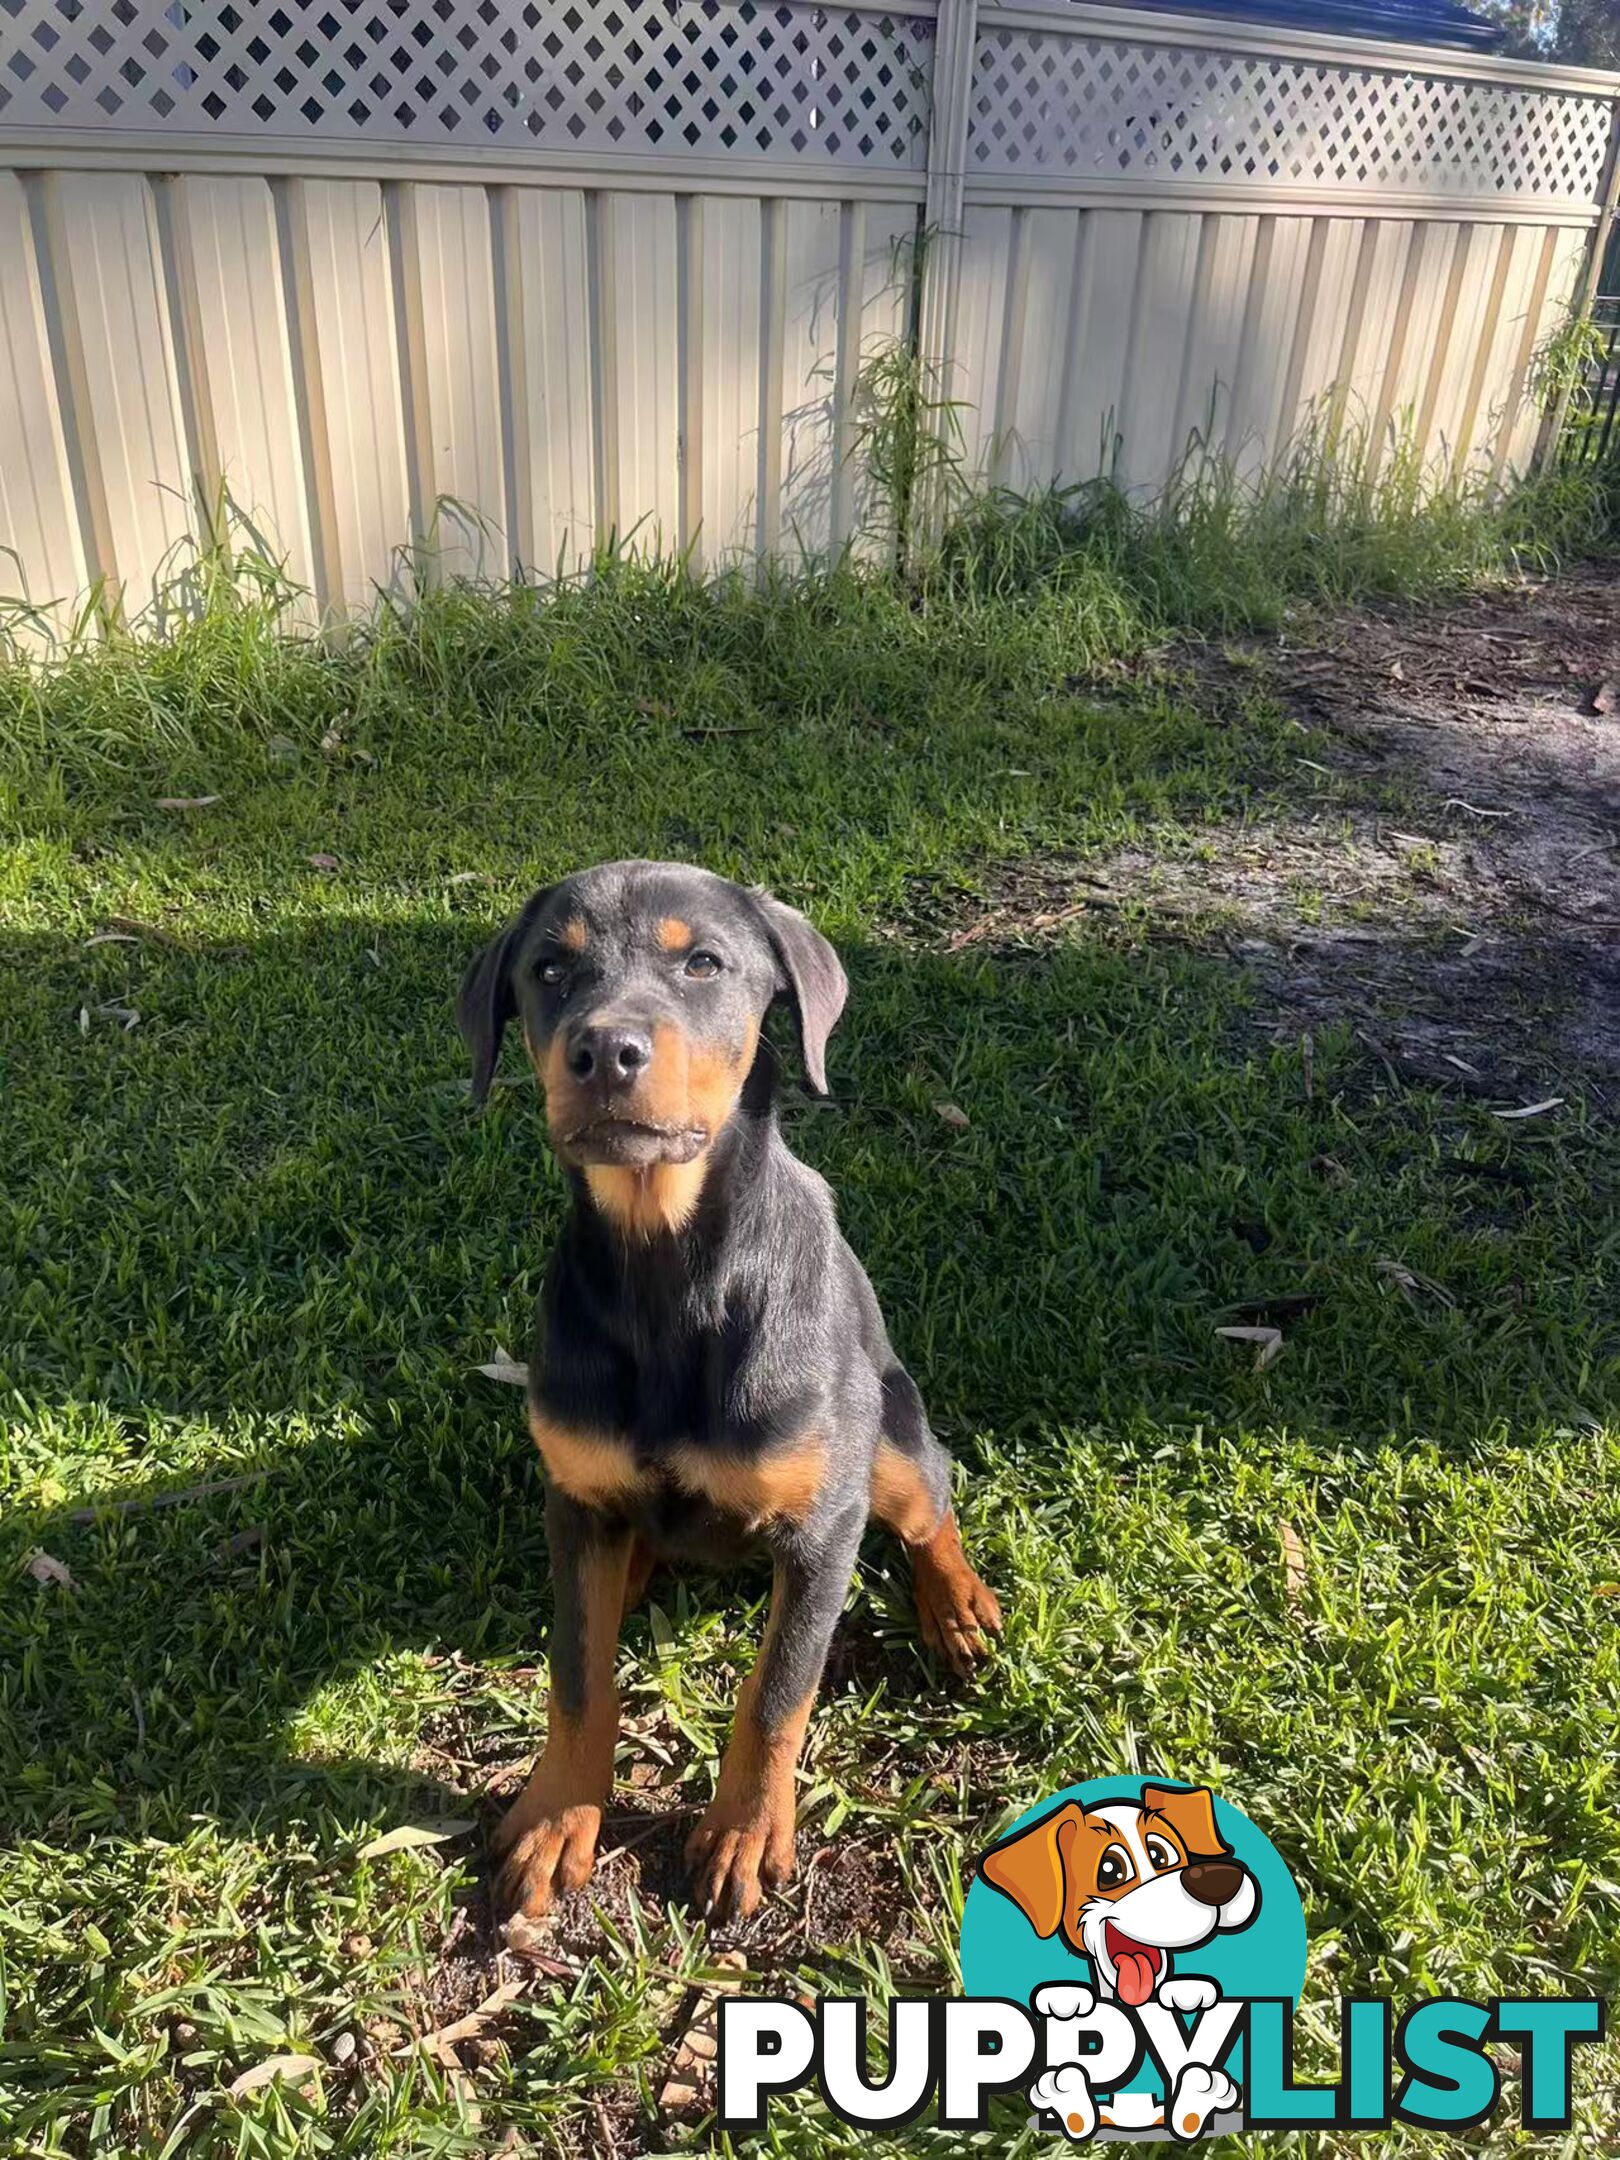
x=658, y=76
x=1063, y=105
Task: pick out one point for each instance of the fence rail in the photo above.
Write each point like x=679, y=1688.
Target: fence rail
x=501, y=278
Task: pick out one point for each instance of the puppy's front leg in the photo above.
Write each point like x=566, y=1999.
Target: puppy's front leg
x=746, y=1835
x=549, y=1834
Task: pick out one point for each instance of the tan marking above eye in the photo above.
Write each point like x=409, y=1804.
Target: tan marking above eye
x=574, y=934
x=672, y=933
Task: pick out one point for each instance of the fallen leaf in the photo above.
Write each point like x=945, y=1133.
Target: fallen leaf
x=125, y=1015
x=332, y=740
x=408, y=1835
x=506, y=1369
x=323, y=862
x=468, y=877
x=112, y=937
x=243, y=1543
x=1533, y=1109
x=1293, y=1559
x=1268, y=1342
x=1606, y=697
x=439, y=2044
x=1412, y=1285
x=692, y=2070
x=273, y=2067
x=1397, y=672
x=186, y=802
x=953, y=1115
x=47, y=1571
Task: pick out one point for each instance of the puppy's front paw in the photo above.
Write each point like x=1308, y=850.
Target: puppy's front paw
x=1200, y=2093
x=546, y=1855
x=736, y=1853
x=1066, y=2093
x=955, y=1609
x=1188, y=1992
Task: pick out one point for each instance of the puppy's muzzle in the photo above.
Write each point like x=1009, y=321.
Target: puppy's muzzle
x=617, y=1112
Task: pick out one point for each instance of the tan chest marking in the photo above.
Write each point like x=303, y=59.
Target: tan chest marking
x=641, y=1203
x=592, y=1468
x=600, y=1471
x=779, y=1487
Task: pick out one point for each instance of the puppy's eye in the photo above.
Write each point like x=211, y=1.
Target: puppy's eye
x=1161, y=1855
x=553, y=972
x=702, y=965
x=1113, y=1868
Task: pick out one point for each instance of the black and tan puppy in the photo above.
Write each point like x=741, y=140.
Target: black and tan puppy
x=710, y=1370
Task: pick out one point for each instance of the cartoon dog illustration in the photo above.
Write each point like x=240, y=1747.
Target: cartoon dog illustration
x=1127, y=1883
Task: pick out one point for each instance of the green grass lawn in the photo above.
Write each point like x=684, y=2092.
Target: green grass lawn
x=1370, y=1592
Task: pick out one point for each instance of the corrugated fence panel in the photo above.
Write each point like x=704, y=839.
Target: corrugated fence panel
x=104, y=237
x=627, y=275
x=642, y=385
x=981, y=331
x=552, y=400
x=1472, y=270
x=1258, y=426
x=463, y=395
x=252, y=403
x=1111, y=245
x=355, y=349
x=45, y=561
x=1568, y=251
x=730, y=364
x=1320, y=348
x=1214, y=347
x=1031, y=403
x=811, y=239
x=1161, y=319
x=1527, y=245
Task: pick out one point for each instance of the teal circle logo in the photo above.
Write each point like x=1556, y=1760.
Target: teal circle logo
x=1141, y=1892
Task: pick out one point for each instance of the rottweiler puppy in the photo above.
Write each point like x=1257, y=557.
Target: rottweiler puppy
x=710, y=1371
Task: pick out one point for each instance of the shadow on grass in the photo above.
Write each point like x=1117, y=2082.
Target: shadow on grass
x=261, y=1234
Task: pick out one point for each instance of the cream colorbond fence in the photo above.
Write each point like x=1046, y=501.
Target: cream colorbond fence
x=501, y=278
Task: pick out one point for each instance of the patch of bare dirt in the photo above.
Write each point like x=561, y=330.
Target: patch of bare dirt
x=1447, y=880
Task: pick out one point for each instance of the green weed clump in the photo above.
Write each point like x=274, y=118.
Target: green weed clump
x=1065, y=580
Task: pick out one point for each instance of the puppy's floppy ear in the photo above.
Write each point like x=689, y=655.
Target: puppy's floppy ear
x=1029, y=1866
x=485, y=1001
x=812, y=977
x=1191, y=1815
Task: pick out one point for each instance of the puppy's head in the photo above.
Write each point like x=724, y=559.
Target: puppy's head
x=640, y=989
x=1127, y=1882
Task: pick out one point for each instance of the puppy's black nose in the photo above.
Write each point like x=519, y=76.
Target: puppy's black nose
x=1212, y=1882
x=611, y=1056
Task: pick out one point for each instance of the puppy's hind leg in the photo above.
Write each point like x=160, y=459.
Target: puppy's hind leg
x=911, y=1495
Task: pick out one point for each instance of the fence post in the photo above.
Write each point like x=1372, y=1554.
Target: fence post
x=1552, y=425
x=956, y=40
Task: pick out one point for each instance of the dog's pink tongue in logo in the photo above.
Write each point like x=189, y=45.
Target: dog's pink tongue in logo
x=1136, y=1966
